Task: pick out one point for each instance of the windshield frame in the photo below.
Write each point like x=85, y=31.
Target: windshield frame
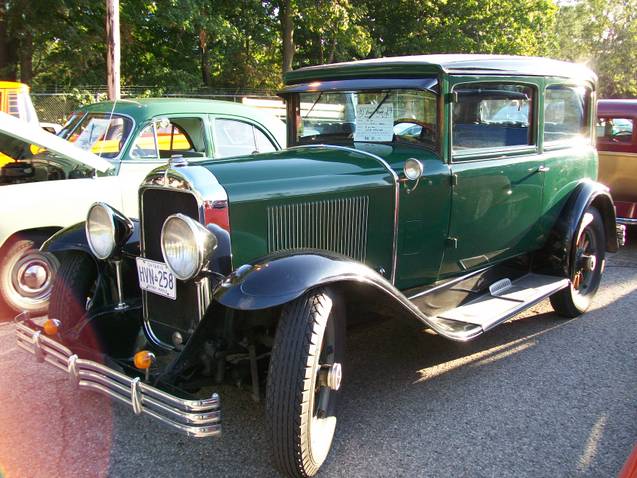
x=132, y=132
x=429, y=84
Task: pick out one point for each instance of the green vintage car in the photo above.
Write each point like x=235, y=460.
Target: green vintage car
x=455, y=190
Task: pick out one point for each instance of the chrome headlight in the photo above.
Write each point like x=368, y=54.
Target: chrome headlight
x=186, y=246
x=106, y=229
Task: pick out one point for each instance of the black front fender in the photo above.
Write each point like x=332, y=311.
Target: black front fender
x=73, y=238
x=278, y=279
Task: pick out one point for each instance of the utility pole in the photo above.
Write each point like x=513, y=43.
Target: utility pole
x=113, y=49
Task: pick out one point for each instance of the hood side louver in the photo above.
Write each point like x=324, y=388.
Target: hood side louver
x=336, y=225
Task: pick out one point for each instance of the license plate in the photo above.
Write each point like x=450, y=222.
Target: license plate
x=155, y=277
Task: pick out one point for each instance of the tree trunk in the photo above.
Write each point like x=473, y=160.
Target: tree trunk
x=330, y=59
x=206, y=76
x=26, y=58
x=7, y=57
x=287, y=33
x=113, y=49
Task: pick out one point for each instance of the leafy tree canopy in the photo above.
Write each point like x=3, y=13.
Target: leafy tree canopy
x=184, y=44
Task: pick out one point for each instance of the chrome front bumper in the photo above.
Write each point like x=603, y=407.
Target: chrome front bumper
x=197, y=418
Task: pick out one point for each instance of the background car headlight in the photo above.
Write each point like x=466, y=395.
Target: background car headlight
x=106, y=228
x=186, y=246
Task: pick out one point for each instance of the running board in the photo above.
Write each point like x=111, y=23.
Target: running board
x=503, y=300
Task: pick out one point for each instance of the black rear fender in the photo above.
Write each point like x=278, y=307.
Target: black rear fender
x=555, y=258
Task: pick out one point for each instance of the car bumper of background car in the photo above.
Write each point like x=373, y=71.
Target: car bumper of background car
x=626, y=212
x=197, y=418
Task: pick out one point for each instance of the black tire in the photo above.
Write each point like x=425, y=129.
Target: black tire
x=586, y=276
x=300, y=407
x=16, y=259
x=73, y=288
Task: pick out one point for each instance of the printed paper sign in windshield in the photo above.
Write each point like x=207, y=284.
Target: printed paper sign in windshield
x=374, y=123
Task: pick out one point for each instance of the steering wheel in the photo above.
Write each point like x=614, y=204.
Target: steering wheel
x=430, y=132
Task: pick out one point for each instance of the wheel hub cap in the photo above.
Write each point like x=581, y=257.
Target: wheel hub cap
x=589, y=262
x=34, y=276
x=334, y=376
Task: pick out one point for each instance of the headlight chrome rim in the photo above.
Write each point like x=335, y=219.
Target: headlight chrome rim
x=205, y=242
x=102, y=255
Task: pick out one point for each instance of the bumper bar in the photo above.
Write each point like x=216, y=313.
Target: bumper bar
x=197, y=418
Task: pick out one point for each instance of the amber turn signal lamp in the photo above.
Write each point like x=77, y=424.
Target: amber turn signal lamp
x=51, y=327
x=143, y=359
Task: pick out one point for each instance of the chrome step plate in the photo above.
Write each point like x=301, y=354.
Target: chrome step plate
x=505, y=299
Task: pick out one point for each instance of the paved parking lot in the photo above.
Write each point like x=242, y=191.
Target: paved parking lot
x=539, y=396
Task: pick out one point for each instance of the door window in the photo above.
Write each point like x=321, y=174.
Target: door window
x=615, y=130
x=165, y=138
x=237, y=138
x=492, y=115
x=565, y=113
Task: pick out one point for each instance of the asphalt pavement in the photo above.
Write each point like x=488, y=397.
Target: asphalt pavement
x=539, y=396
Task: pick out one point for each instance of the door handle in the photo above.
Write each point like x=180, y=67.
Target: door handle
x=543, y=169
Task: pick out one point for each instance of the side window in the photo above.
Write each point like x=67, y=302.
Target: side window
x=170, y=137
x=615, y=130
x=264, y=145
x=492, y=115
x=145, y=146
x=565, y=112
x=236, y=138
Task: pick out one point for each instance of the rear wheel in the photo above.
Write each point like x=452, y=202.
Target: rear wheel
x=26, y=276
x=73, y=288
x=587, y=263
x=304, y=381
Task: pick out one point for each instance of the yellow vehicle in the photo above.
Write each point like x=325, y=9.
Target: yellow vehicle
x=16, y=101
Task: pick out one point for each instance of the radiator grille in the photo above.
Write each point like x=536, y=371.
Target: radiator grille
x=165, y=314
x=338, y=225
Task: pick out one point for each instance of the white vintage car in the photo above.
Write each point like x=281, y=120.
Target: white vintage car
x=47, y=183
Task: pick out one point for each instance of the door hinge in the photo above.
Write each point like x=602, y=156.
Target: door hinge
x=453, y=179
x=451, y=97
x=452, y=242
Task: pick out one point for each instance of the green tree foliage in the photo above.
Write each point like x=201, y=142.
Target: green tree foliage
x=182, y=44
x=460, y=26
x=602, y=34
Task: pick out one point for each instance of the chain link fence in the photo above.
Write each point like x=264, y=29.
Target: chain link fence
x=54, y=106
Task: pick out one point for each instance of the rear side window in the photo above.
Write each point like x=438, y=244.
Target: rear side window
x=236, y=138
x=565, y=113
x=492, y=115
x=615, y=130
x=168, y=137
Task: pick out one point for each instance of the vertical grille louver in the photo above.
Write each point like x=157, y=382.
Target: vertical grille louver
x=338, y=225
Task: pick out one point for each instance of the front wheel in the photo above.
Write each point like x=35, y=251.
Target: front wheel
x=587, y=265
x=304, y=381
x=26, y=276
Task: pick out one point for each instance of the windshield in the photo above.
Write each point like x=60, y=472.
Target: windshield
x=385, y=116
x=102, y=134
x=24, y=162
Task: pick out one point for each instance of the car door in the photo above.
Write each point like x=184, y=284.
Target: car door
x=156, y=142
x=497, y=173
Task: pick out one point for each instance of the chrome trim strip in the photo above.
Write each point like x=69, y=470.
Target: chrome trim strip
x=626, y=221
x=197, y=418
x=395, y=178
x=447, y=283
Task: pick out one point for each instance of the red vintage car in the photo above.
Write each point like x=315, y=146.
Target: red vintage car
x=617, y=147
